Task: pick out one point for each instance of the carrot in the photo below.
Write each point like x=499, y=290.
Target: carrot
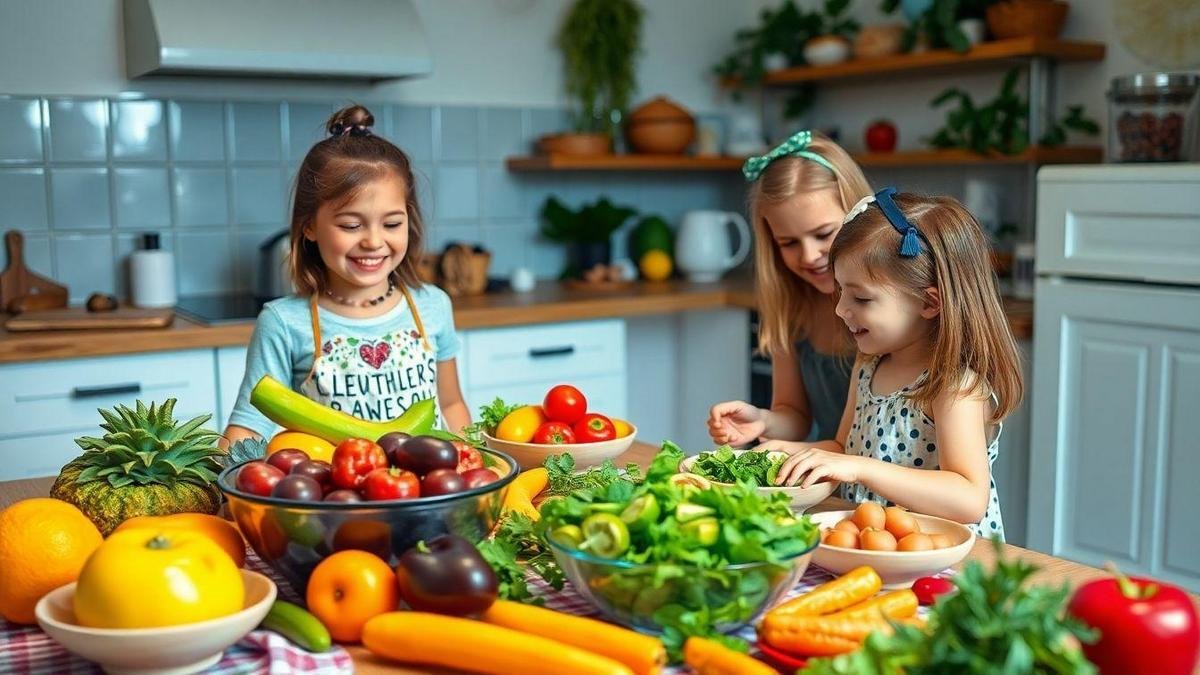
x=899, y=604
x=852, y=587
x=523, y=489
x=643, y=654
x=464, y=644
x=713, y=658
x=821, y=635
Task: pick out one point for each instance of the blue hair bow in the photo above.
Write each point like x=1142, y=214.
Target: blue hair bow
x=910, y=236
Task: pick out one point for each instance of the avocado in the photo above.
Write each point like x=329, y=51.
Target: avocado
x=651, y=234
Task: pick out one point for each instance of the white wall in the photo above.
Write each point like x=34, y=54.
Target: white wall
x=486, y=52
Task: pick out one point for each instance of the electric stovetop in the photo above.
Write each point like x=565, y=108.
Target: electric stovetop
x=216, y=309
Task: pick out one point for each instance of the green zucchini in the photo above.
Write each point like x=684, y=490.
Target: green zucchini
x=295, y=411
x=298, y=625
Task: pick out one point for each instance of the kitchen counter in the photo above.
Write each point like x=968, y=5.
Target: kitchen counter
x=548, y=303
x=1052, y=570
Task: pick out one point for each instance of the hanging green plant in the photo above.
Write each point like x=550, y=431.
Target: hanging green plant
x=1002, y=124
x=600, y=41
x=938, y=24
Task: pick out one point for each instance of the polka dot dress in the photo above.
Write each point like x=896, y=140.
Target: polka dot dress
x=891, y=429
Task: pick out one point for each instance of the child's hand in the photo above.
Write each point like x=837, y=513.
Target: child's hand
x=735, y=423
x=814, y=465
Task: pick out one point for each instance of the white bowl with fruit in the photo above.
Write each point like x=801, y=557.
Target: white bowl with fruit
x=901, y=546
x=561, y=424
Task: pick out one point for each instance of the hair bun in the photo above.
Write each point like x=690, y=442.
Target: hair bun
x=354, y=120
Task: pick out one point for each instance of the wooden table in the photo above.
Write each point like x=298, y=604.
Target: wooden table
x=1051, y=570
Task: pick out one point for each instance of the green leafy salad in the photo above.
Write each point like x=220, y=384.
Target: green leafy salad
x=725, y=466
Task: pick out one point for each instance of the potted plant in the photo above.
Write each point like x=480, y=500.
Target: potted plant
x=954, y=24
x=587, y=233
x=1002, y=124
x=600, y=41
x=834, y=33
x=776, y=43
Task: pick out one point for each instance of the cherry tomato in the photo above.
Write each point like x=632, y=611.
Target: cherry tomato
x=284, y=460
x=593, y=428
x=469, y=457
x=554, y=433
x=565, y=403
x=927, y=589
x=258, y=478
x=478, y=477
x=353, y=459
x=393, y=483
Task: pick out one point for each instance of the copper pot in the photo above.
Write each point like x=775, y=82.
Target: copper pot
x=577, y=145
x=660, y=127
x=1026, y=18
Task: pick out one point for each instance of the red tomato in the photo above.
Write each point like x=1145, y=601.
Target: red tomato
x=594, y=428
x=393, y=483
x=258, y=478
x=479, y=477
x=554, y=433
x=565, y=403
x=928, y=589
x=468, y=457
x=353, y=459
x=881, y=136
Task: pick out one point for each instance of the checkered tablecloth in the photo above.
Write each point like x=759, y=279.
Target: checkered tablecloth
x=26, y=649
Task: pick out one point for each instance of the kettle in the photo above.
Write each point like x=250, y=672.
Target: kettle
x=702, y=245
x=274, y=278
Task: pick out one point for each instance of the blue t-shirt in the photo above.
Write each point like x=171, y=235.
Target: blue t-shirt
x=282, y=344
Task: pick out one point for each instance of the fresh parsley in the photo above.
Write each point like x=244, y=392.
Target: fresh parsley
x=490, y=416
x=564, y=480
x=515, y=546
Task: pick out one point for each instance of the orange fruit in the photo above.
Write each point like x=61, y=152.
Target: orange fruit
x=877, y=540
x=313, y=446
x=43, y=545
x=915, y=542
x=224, y=533
x=348, y=588
x=869, y=515
x=621, y=427
x=899, y=522
x=841, y=538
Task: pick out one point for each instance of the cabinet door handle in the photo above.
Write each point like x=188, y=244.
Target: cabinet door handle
x=551, y=351
x=106, y=390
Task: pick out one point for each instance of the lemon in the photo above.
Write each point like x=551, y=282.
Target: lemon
x=655, y=265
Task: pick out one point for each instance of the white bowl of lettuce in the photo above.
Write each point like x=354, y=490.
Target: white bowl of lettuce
x=726, y=466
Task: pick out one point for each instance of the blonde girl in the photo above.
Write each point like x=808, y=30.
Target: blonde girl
x=799, y=194
x=362, y=334
x=938, y=370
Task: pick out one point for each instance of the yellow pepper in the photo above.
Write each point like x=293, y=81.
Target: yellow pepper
x=524, y=488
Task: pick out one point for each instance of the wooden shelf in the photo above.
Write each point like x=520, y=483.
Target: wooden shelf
x=1035, y=156
x=624, y=163
x=956, y=157
x=997, y=51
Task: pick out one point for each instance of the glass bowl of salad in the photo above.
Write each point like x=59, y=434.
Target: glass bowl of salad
x=673, y=552
x=725, y=466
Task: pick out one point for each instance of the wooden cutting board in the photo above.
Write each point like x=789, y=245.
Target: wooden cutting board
x=78, y=318
x=20, y=284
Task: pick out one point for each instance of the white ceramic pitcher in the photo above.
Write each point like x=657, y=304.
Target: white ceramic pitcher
x=702, y=245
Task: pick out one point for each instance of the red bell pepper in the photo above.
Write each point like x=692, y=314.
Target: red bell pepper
x=1145, y=626
x=353, y=459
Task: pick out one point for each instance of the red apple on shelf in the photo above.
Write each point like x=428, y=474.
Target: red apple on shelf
x=881, y=136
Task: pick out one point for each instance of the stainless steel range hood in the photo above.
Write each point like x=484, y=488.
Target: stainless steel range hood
x=344, y=39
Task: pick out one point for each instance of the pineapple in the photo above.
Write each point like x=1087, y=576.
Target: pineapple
x=147, y=464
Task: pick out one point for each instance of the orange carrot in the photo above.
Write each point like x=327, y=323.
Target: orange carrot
x=821, y=635
x=899, y=604
x=464, y=644
x=643, y=654
x=712, y=658
x=852, y=587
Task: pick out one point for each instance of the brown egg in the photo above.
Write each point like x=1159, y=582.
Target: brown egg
x=877, y=540
x=869, y=514
x=841, y=538
x=900, y=522
x=941, y=540
x=915, y=542
x=847, y=525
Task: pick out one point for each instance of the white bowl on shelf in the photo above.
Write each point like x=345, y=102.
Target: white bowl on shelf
x=167, y=650
x=802, y=498
x=898, y=569
x=531, y=455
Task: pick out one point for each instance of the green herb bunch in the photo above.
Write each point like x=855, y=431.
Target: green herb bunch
x=723, y=466
x=994, y=623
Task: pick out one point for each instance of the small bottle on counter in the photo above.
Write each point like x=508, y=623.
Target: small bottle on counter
x=152, y=274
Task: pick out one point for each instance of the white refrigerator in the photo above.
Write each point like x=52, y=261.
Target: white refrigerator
x=1115, y=438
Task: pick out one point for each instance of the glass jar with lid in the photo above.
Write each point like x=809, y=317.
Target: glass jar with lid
x=1153, y=117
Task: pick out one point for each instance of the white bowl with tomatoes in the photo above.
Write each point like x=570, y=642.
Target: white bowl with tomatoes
x=561, y=424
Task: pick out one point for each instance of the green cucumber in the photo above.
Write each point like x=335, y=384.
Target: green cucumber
x=298, y=625
x=295, y=411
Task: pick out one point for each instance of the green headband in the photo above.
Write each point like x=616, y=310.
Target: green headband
x=796, y=146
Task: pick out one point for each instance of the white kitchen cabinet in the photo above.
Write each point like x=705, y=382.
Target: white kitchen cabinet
x=1011, y=468
x=45, y=404
x=1114, y=458
x=520, y=363
x=231, y=367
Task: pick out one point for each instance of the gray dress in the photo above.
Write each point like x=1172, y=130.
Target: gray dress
x=826, y=383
